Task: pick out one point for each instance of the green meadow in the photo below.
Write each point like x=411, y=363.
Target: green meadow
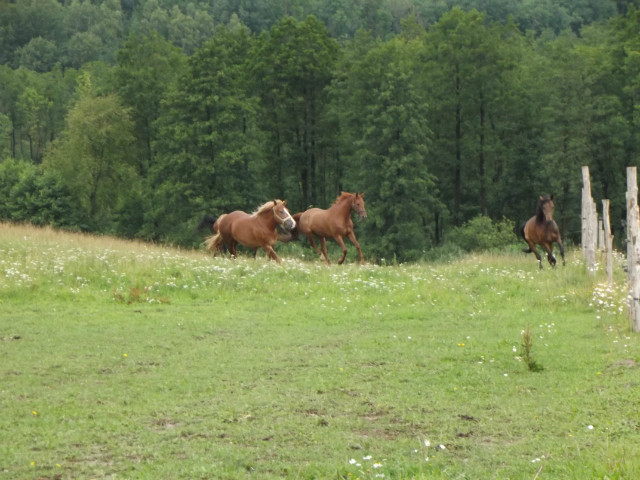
x=125, y=360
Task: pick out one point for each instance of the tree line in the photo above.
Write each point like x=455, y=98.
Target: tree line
x=441, y=120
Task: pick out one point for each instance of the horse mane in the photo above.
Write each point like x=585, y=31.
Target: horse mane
x=265, y=206
x=341, y=197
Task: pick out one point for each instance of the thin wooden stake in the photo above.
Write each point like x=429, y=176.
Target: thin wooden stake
x=589, y=223
x=608, y=240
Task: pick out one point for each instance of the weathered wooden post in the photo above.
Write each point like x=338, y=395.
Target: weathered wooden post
x=608, y=239
x=633, y=247
x=588, y=228
x=601, y=240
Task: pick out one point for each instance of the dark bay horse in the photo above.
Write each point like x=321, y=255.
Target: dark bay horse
x=207, y=221
x=334, y=222
x=541, y=229
x=255, y=230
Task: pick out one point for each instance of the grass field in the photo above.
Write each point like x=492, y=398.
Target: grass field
x=133, y=361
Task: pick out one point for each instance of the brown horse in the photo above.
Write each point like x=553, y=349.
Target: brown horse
x=256, y=230
x=541, y=229
x=335, y=222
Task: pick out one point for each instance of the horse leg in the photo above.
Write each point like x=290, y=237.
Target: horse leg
x=323, y=245
x=532, y=248
x=548, y=247
x=232, y=248
x=313, y=243
x=271, y=253
x=352, y=238
x=561, y=247
x=340, y=242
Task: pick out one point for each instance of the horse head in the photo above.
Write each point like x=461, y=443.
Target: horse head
x=282, y=215
x=357, y=205
x=544, y=211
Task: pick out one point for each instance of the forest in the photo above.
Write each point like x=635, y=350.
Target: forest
x=137, y=117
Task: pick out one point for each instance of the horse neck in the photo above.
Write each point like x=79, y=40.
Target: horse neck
x=342, y=206
x=269, y=219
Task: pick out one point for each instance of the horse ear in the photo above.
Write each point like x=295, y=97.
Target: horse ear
x=362, y=194
x=550, y=197
x=284, y=202
x=541, y=197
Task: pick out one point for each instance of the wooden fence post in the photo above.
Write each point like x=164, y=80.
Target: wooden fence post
x=589, y=222
x=601, y=240
x=633, y=247
x=608, y=240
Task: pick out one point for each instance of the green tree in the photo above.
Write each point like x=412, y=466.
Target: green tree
x=5, y=136
x=583, y=125
x=92, y=154
x=207, y=161
x=513, y=179
x=93, y=31
x=384, y=113
x=467, y=64
x=292, y=66
x=39, y=55
x=28, y=194
x=147, y=68
x=190, y=29
x=35, y=107
x=187, y=26
x=20, y=22
x=9, y=93
x=82, y=48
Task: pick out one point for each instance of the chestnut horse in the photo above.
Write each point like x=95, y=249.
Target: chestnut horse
x=335, y=222
x=541, y=229
x=256, y=230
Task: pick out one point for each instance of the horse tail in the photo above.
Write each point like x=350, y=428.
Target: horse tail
x=296, y=218
x=524, y=237
x=207, y=221
x=214, y=242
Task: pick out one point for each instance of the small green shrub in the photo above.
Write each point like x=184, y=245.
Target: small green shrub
x=482, y=234
x=526, y=347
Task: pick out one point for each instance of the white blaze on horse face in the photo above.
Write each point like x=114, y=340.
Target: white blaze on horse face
x=288, y=222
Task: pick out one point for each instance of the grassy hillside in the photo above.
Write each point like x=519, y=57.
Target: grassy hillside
x=128, y=360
